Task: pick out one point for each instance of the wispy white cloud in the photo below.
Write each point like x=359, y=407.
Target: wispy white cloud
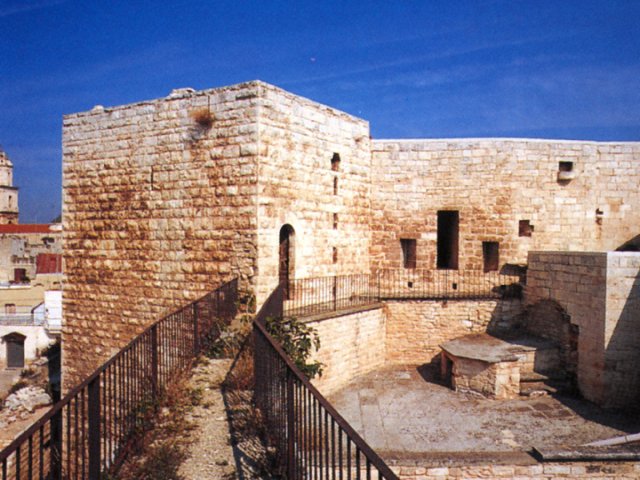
x=9, y=7
x=411, y=60
x=158, y=55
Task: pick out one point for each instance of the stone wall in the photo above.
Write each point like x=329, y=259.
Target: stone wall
x=298, y=141
x=601, y=294
x=577, y=282
x=622, y=329
x=545, y=471
x=496, y=183
x=159, y=207
x=415, y=329
x=350, y=345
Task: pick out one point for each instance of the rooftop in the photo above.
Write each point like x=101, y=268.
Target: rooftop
x=403, y=413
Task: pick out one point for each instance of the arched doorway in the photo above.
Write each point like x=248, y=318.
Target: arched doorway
x=15, y=349
x=286, y=257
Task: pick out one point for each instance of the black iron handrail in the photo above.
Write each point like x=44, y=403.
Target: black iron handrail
x=93, y=428
x=311, y=439
x=318, y=295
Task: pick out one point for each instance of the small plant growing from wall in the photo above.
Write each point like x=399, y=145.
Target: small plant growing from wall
x=298, y=341
x=203, y=117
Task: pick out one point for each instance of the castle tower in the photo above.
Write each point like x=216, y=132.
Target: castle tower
x=8, y=193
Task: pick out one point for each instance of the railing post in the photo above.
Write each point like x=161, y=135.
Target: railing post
x=154, y=361
x=94, y=428
x=291, y=460
x=56, y=446
x=196, y=339
x=335, y=293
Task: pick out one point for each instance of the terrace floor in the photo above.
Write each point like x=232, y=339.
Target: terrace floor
x=403, y=412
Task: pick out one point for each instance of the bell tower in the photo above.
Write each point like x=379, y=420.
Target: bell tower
x=8, y=193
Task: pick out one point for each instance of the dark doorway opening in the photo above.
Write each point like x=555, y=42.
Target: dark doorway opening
x=15, y=350
x=448, y=232
x=286, y=259
x=491, y=256
x=408, y=252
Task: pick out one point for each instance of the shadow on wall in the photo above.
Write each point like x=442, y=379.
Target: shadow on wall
x=622, y=351
x=632, y=245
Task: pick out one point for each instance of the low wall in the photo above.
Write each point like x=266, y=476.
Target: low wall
x=351, y=344
x=600, y=292
x=622, y=329
x=545, y=471
x=415, y=329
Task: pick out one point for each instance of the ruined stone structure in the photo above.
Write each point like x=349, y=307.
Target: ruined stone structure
x=165, y=199
x=8, y=193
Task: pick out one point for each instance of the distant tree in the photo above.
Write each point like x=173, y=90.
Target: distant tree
x=58, y=219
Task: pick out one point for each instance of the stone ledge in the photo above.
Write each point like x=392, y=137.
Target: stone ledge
x=339, y=313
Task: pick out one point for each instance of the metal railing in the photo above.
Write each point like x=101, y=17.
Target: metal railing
x=93, y=428
x=313, y=296
x=310, y=438
x=21, y=319
x=413, y=283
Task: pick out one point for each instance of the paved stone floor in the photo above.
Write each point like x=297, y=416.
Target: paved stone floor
x=402, y=411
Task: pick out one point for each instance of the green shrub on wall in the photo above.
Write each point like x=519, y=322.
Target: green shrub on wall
x=298, y=340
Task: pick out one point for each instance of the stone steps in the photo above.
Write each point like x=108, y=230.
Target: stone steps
x=532, y=384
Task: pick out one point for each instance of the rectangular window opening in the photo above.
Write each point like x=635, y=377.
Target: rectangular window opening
x=335, y=255
x=448, y=233
x=335, y=221
x=408, y=252
x=525, y=229
x=565, y=166
x=335, y=185
x=335, y=162
x=491, y=256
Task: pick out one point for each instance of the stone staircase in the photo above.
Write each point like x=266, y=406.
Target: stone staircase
x=535, y=384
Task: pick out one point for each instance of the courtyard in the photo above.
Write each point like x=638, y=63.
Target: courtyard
x=404, y=412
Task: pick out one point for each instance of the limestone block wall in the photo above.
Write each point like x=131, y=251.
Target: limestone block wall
x=415, y=329
x=601, y=294
x=546, y=471
x=328, y=208
x=159, y=207
x=496, y=183
x=350, y=345
x=622, y=329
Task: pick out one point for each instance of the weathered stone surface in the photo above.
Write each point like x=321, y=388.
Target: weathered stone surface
x=28, y=398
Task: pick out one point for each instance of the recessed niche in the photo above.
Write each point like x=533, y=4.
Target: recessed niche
x=525, y=229
x=565, y=171
x=335, y=162
x=491, y=256
x=408, y=246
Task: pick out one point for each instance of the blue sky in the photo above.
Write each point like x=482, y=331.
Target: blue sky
x=554, y=69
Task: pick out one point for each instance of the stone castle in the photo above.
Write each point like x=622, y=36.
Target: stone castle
x=164, y=199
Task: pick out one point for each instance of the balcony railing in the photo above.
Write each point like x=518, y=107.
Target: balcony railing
x=89, y=432
x=21, y=320
x=310, y=438
x=313, y=296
